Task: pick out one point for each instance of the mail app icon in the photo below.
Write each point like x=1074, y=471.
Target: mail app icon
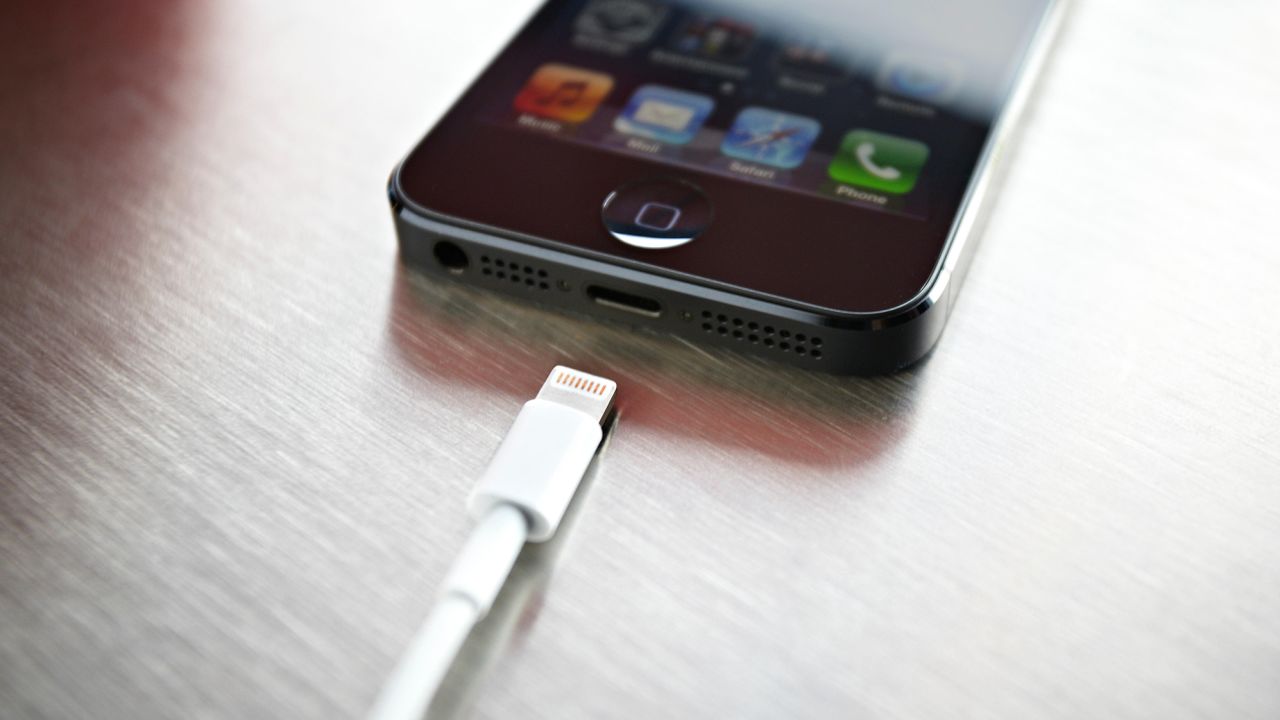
x=664, y=114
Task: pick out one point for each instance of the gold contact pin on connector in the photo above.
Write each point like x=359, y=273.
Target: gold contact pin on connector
x=582, y=391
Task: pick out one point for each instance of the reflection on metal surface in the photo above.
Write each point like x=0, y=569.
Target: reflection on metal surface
x=458, y=333
x=236, y=437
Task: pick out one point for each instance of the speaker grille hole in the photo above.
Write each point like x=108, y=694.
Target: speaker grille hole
x=517, y=273
x=752, y=331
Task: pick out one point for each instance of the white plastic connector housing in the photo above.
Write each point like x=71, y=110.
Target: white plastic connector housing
x=547, y=450
x=522, y=495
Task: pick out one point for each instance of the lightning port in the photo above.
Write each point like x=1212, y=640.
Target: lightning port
x=619, y=300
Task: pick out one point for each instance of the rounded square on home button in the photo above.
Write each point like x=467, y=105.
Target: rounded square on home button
x=657, y=216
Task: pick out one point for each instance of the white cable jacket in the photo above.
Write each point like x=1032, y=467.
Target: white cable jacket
x=412, y=685
x=482, y=566
x=522, y=497
x=474, y=580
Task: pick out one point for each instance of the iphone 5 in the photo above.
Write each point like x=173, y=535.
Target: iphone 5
x=800, y=180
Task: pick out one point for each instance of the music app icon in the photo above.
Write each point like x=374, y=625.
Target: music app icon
x=561, y=92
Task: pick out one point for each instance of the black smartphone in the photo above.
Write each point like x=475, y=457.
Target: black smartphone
x=801, y=180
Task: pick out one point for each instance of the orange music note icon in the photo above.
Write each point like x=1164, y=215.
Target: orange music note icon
x=566, y=94
x=563, y=93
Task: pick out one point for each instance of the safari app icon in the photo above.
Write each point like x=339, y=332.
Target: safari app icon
x=771, y=137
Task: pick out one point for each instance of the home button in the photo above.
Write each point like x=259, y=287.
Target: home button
x=656, y=214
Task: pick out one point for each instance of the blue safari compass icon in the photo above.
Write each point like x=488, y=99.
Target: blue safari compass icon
x=770, y=137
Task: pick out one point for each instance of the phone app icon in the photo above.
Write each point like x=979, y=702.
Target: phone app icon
x=714, y=37
x=561, y=92
x=933, y=80
x=665, y=114
x=770, y=137
x=879, y=162
x=628, y=22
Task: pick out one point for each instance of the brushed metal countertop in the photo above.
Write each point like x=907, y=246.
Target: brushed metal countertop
x=236, y=436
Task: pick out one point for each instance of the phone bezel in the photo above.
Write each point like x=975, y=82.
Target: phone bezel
x=950, y=259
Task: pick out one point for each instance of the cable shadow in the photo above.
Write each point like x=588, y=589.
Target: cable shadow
x=465, y=335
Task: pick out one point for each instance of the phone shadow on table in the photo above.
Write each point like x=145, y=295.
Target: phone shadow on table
x=696, y=394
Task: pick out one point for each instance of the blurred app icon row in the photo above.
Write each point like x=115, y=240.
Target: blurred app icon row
x=758, y=135
x=632, y=23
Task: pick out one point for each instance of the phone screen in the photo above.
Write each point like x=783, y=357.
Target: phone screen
x=858, y=121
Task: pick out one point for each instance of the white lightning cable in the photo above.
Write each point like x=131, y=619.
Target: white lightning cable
x=521, y=497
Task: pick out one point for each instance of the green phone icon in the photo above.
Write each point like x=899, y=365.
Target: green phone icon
x=879, y=162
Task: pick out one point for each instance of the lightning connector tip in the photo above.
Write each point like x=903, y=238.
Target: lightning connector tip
x=581, y=391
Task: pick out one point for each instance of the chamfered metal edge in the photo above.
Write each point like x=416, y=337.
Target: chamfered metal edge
x=975, y=198
x=952, y=261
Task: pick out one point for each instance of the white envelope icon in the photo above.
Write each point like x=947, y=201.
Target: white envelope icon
x=663, y=114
